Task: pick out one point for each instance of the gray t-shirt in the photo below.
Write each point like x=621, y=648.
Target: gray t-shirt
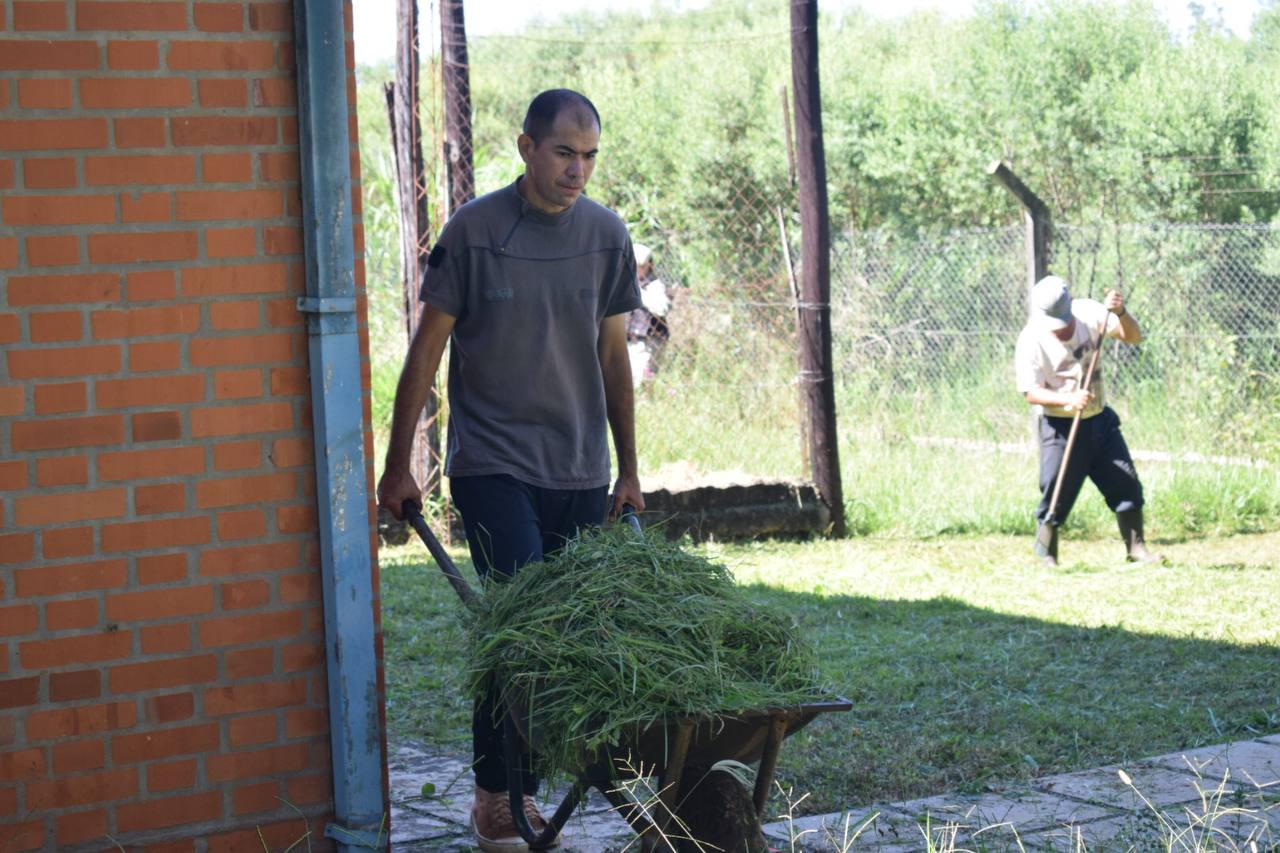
x=529, y=290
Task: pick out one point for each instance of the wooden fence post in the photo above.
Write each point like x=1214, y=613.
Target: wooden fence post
x=1035, y=214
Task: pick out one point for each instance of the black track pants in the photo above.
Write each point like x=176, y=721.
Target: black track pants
x=1100, y=453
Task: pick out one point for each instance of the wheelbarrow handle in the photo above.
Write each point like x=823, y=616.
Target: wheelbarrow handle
x=412, y=513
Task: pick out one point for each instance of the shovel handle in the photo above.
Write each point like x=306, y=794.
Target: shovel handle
x=1075, y=425
x=412, y=513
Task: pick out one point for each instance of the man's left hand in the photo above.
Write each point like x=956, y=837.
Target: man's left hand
x=626, y=491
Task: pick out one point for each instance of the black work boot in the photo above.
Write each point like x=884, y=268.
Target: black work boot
x=1050, y=558
x=1135, y=545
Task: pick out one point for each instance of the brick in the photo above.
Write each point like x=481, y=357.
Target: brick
x=237, y=384
x=115, y=93
x=172, y=708
x=19, y=692
x=67, y=542
x=249, y=663
x=13, y=475
x=74, y=686
x=150, y=15
x=82, y=790
x=140, y=169
x=133, y=55
x=63, y=290
x=60, y=580
x=279, y=167
x=62, y=398
x=82, y=720
x=290, y=382
x=180, y=319
x=241, y=420
x=149, y=391
x=186, y=846
x=254, y=696
x=263, y=762
x=140, y=132
x=233, y=280
x=222, y=93
x=146, y=207
x=231, y=243
x=161, y=499
x=25, y=836
x=53, y=250
x=154, y=535
x=238, y=55
x=149, y=746
x=245, y=594
x=22, y=764
x=166, y=639
x=35, y=210
x=289, y=136
x=223, y=130
x=239, y=525
x=252, y=731
x=219, y=17
x=148, y=357
x=141, y=247
x=252, y=799
x=171, y=776
x=238, y=315
x=55, y=326
x=36, y=16
x=270, y=17
x=227, y=168
x=264, y=488
x=6, y=166
x=8, y=252
x=151, y=464
x=50, y=362
x=49, y=173
x=162, y=568
x=237, y=455
x=44, y=94
x=158, y=604
x=156, y=426
x=28, y=54
x=15, y=548
x=309, y=790
x=240, y=205
x=19, y=620
x=69, y=615
x=78, y=756
x=170, y=811
x=10, y=328
x=291, y=452
x=93, y=431
x=69, y=651
x=149, y=285
x=245, y=349
x=282, y=241
x=72, y=828
x=253, y=628
x=299, y=588
x=275, y=92
x=306, y=723
x=61, y=471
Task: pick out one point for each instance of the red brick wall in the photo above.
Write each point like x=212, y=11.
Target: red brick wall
x=161, y=632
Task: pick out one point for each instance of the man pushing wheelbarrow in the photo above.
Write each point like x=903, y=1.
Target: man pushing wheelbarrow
x=1056, y=365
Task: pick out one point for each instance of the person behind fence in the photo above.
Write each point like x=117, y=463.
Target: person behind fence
x=532, y=284
x=1052, y=356
x=647, y=329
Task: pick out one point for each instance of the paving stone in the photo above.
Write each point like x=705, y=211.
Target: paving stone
x=1102, y=786
x=885, y=831
x=1270, y=738
x=1023, y=810
x=1249, y=764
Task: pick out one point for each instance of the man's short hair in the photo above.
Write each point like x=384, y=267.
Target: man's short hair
x=547, y=106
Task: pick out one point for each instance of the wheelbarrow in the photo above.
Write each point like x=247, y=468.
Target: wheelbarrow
x=708, y=814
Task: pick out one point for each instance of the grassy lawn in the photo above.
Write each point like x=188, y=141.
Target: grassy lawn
x=968, y=664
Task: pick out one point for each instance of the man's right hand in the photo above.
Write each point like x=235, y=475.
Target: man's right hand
x=1077, y=400
x=397, y=486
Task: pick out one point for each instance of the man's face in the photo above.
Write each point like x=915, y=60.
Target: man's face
x=557, y=169
x=1065, y=333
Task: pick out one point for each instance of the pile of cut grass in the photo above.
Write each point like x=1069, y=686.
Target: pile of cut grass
x=617, y=632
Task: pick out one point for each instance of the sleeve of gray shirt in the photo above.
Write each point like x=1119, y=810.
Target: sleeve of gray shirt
x=444, y=272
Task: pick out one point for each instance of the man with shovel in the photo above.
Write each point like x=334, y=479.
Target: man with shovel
x=1055, y=363
x=532, y=284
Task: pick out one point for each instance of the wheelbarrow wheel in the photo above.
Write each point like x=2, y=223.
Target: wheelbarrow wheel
x=717, y=811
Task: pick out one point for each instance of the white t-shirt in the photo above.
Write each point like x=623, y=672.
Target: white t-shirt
x=1043, y=361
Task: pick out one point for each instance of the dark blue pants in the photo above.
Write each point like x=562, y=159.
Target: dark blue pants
x=508, y=524
x=1100, y=454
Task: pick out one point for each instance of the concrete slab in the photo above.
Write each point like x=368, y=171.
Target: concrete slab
x=1252, y=764
x=1024, y=810
x=869, y=830
x=1103, y=786
x=1270, y=738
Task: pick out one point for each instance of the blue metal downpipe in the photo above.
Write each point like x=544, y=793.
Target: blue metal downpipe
x=337, y=409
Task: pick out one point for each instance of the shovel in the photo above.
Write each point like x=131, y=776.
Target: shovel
x=1044, y=534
